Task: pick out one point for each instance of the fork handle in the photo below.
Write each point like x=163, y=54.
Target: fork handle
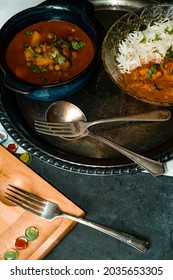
x=141, y=245
x=155, y=168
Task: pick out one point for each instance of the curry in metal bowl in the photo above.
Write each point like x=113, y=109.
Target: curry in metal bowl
x=138, y=54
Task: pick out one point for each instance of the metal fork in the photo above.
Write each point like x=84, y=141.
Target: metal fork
x=77, y=128
x=48, y=210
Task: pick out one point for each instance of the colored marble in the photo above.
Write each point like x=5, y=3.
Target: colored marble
x=11, y=254
x=12, y=147
x=31, y=233
x=21, y=243
x=26, y=158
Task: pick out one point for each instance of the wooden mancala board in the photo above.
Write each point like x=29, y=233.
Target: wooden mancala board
x=14, y=220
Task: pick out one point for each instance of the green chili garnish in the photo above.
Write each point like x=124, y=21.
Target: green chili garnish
x=54, y=54
x=144, y=40
x=164, y=66
x=169, y=53
x=28, y=33
x=26, y=44
x=170, y=32
x=152, y=70
x=157, y=38
x=156, y=51
x=77, y=44
x=53, y=43
x=60, y=59
x=33, y=53
x=36, y=69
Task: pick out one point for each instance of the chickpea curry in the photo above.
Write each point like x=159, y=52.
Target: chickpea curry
x=49, y=52
x=153, y=81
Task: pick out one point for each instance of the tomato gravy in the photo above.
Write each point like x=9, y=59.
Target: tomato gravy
x=154, y=82
x=49, y=52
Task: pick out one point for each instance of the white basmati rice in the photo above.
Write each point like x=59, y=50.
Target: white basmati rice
x=142, y=47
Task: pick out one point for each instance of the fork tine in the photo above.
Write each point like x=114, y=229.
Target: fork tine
x=24, y=201
x=28, y=194
x=24, y=207
x=28, y=201
x=48, y=127
x=56, y=124
x=61, y=126
x=55, y=129
x=54, y=133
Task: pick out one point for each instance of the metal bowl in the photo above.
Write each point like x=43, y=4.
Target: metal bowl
x=137, y=20
x=76, y=12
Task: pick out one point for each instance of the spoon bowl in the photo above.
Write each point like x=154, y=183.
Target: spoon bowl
x=62, y=111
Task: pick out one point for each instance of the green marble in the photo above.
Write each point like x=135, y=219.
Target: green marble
x=31, y=233
x=11, y=254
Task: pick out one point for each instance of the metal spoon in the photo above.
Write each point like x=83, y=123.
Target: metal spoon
x=62, y=111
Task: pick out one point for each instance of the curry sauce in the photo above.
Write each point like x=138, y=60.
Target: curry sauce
x=152, y=81
x=49, y=52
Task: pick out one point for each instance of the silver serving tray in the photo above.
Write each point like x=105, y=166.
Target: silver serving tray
x=100, y=99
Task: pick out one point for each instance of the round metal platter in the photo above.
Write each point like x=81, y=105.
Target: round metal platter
x=100, y=99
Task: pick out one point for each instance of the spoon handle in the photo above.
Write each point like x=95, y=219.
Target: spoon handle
x=154, y=116
x=155, y=168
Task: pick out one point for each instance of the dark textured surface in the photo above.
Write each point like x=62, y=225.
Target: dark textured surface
x=136, y=203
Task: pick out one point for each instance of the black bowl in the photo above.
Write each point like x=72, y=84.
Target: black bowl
x=77, y=12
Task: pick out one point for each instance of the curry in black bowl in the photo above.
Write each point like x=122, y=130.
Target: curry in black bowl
x=49, y=52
